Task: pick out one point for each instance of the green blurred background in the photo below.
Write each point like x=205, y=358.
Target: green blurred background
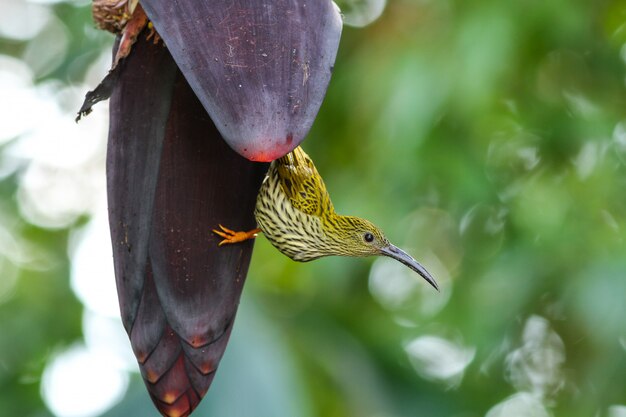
x=488, y=138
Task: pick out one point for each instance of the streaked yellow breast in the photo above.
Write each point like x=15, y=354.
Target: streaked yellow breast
x=298, y=235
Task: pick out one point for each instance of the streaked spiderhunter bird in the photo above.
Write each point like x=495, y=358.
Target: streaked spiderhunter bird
x=294, y=211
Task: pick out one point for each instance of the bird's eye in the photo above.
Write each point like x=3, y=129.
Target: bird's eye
x=368, y=237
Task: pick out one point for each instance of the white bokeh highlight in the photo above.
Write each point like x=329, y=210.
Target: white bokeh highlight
x=92, y=274
x=536, y=366
x=359, y=13
x=522, y=404
x=16, y=84
x=396, y=287
x=82, y=382
x=617, y=411
x=22, y=20
x=106, y=336
x=439, y=359
x=535, y=369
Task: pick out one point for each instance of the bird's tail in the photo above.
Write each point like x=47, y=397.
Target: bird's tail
x=297, y=158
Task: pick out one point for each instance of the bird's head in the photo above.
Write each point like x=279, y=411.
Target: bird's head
x=360, y=237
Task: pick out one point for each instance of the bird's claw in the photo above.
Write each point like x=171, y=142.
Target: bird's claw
x=230, y=236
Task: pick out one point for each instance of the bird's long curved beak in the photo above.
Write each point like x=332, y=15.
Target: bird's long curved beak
x=401, y=256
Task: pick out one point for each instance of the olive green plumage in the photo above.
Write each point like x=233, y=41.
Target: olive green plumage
x=295, y=213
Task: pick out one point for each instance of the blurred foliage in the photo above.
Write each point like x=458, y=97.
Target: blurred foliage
x=489, y=139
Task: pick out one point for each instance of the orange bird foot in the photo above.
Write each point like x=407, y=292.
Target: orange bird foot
x=230, y=236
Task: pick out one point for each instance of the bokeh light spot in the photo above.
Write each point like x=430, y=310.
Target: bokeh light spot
x=536, y=365
x=65, y=177
x=401, y=290
x=80, y=382
x=19, y=98
x=439, y=359
x=522, y=404
x=361, y=13
x=21, y=20
x=107, y=335
x=617, y=411
x=93, y=279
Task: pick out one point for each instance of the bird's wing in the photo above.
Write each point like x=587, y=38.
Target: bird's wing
x=302, y=184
